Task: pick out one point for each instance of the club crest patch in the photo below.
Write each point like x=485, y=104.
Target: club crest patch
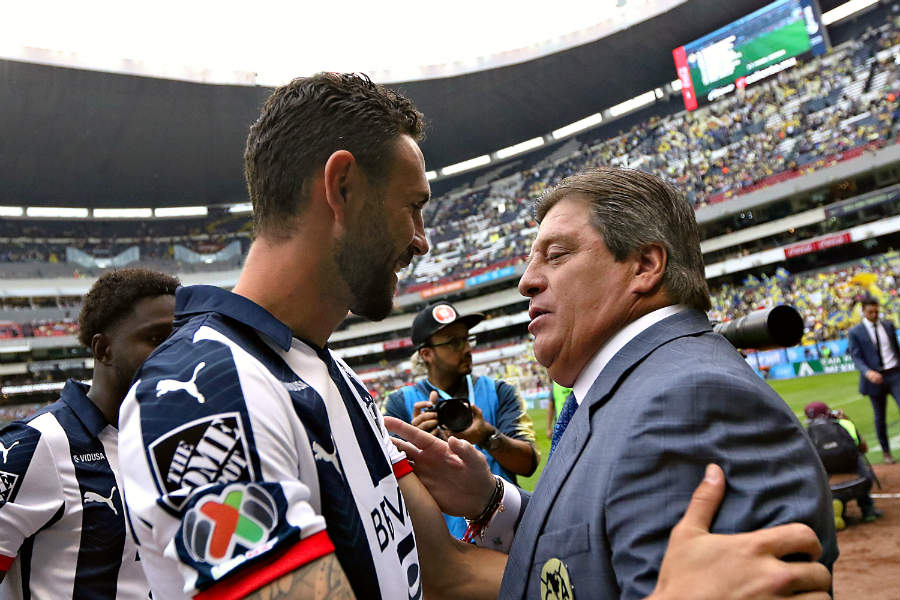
x=555, y=581
x=209, y=450
x=236, y=521
x=8, y=486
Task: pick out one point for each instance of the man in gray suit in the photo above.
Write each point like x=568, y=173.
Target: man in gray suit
x=873, y=347
x=618, y=295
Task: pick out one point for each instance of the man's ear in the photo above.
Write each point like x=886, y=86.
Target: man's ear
x=651, y=262
x=100, y=348
x=426, y=353
x=341, y=185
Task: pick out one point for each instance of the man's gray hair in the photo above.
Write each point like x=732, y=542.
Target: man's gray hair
x=631, y=209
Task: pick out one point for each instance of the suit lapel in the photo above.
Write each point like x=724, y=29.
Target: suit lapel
x=571, y=445
x=689, y=322
x=866, y=337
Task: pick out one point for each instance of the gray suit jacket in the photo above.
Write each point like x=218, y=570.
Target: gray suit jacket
x=675, y=398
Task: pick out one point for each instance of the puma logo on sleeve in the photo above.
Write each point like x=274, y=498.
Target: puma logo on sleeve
x=5, y=451
x=164, y=386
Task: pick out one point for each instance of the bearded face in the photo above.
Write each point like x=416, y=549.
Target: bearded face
x=366, y=258
x=388, y=231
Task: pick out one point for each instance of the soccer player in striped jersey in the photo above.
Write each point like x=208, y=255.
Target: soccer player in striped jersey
x=63, y=528
x=259, y=466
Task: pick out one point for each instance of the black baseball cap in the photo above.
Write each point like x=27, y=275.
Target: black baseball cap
x=435, y=317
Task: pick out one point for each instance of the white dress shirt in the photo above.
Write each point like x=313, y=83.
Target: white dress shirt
x=594, y=367
x=888, y=358
x=499, y=534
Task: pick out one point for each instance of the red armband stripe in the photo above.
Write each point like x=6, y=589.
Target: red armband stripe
x=257, y=576
x=6, y=562
x=401, y=468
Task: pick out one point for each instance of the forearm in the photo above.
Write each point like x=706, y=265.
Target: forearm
x=450, y=568
x=322, y=579
x=516, y=456
x=479, y=575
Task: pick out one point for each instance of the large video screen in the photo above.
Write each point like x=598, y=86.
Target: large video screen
x=759, y=43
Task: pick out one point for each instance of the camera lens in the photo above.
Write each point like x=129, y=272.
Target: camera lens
x=454, y=414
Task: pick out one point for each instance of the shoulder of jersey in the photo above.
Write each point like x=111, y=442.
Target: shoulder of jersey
x=18, y=442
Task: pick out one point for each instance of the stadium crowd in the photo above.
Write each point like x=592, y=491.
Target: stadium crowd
x=828, y=300
x=42, y=247
x=41, y=328
x=18, y=411
x=801, y=120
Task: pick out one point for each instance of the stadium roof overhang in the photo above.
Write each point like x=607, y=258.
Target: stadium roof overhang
x=85, y=138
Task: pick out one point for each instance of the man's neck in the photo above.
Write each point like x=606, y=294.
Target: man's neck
x=452, y=384
x=285, y=278
x=104, y=400
x=598, y=361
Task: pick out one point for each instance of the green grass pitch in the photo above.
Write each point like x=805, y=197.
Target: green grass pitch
x=836, y=390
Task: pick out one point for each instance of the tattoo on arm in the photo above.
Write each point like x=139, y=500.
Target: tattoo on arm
x=322, y=579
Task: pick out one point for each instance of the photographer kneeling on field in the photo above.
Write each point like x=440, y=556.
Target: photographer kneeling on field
x=451, y=401
x=842, y=450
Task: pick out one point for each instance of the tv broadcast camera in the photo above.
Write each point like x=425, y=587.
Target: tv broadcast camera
x=777, y=327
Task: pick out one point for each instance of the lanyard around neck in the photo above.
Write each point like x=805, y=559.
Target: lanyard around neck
x=444, y=395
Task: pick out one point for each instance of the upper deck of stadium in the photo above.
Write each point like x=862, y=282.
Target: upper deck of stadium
x=76, y=137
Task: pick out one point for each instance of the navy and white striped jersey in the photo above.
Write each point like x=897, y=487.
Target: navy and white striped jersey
x=252, y=453
x=63, y=532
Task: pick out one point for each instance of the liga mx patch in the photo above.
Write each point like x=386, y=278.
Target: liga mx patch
x=221, y=527
x=9, y=486
x=209, y=450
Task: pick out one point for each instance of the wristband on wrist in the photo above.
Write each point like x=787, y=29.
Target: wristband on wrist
x=493, y=441
x=477, y=525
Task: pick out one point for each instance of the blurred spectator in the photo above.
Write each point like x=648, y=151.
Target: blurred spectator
x=842, y=451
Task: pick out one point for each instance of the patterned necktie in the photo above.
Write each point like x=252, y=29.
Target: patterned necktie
x=562, y=422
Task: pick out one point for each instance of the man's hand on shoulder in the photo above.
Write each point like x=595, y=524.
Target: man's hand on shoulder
x=744, y=566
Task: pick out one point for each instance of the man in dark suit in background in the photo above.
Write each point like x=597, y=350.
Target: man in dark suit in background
x=618, y=295
x=873, y=346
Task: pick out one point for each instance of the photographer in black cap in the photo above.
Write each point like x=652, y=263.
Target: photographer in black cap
x=451, y=401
